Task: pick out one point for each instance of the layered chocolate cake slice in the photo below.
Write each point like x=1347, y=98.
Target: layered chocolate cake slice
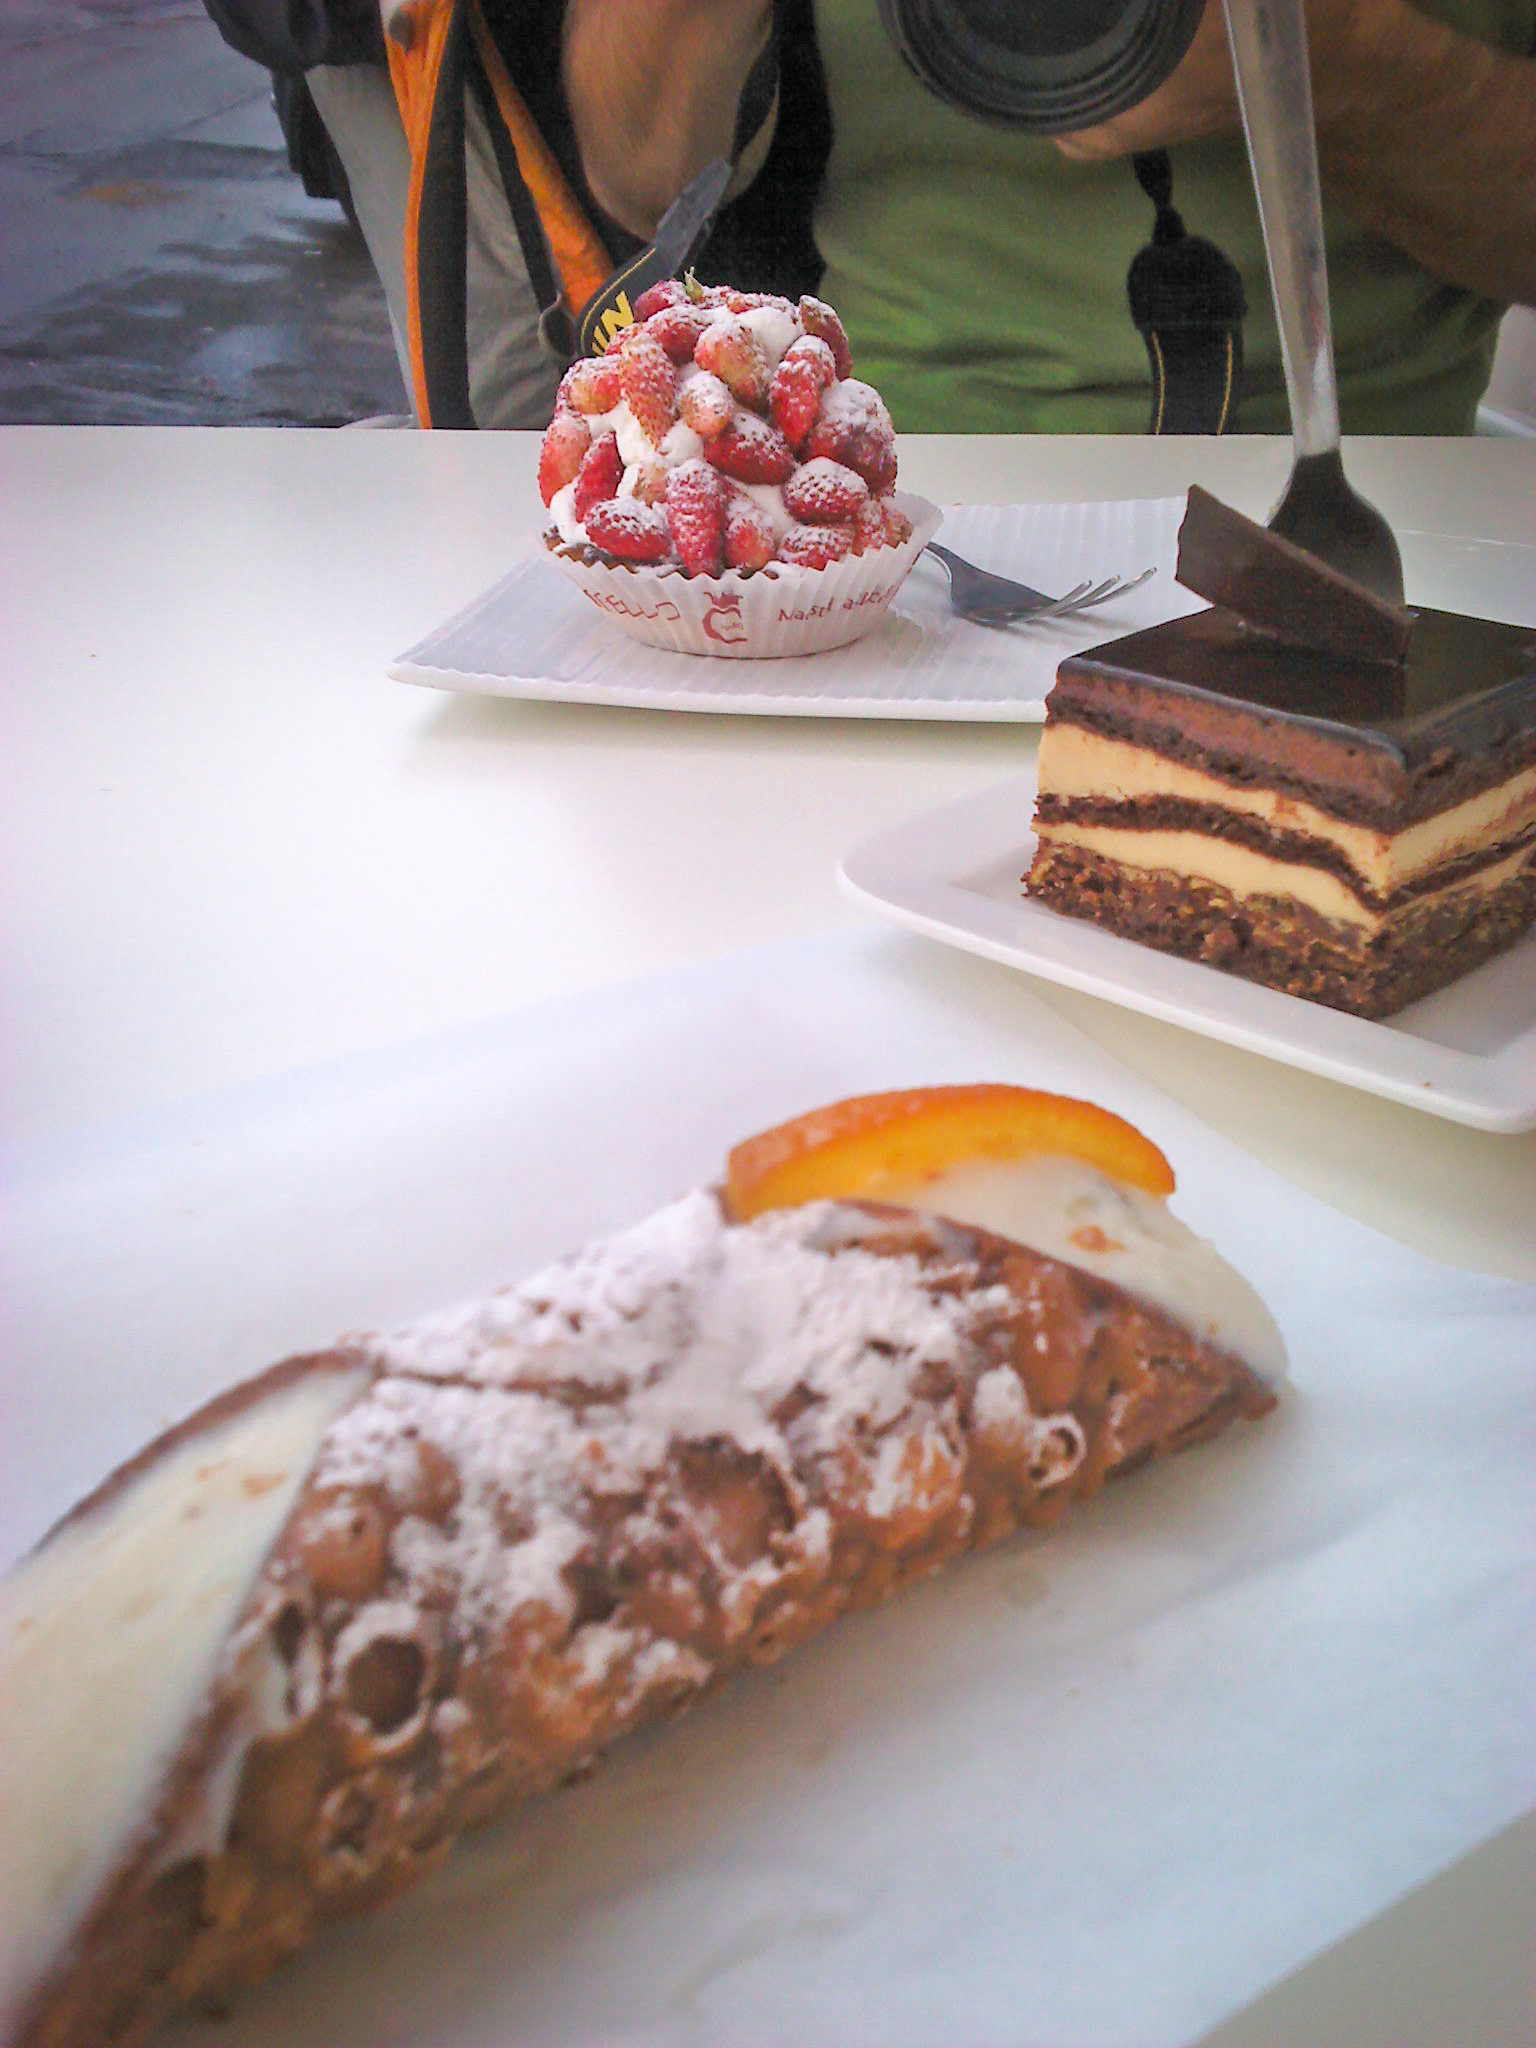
x=1354, y=830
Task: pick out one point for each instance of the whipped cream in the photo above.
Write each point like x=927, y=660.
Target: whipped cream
x=774, y=327
x=769, y=500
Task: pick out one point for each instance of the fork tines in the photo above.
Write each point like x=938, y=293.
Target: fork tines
x=1081, y=598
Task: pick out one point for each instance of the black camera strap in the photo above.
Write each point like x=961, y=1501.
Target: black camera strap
x=1187, y=301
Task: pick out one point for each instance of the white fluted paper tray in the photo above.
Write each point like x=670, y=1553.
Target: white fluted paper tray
x=776, y=614
x=535, y=635
x=1094, y=1789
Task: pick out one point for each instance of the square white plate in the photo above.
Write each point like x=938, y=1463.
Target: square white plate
x=531, y=635
x=1467, y=1053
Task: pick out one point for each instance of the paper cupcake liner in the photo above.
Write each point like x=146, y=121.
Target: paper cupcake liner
x=756, y=615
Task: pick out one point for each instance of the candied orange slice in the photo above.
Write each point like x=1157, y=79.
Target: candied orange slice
x=872, y=1144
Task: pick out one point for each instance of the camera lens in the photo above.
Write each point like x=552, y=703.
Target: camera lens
x=1044, y=66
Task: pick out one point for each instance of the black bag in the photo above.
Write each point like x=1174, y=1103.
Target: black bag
x=298, y=35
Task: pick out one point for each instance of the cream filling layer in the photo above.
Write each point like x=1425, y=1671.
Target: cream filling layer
x=1065, y=1209
x=110, y=1635
x=1194, y=857
x=1075, y=763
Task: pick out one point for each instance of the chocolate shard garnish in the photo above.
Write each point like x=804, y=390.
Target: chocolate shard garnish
x=1272, y=584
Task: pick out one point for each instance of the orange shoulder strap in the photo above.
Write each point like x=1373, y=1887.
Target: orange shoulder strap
x=581, y=261
x=433, y=46
x=425, y=44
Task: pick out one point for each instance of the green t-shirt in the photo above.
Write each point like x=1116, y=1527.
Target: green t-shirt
x=981, y=275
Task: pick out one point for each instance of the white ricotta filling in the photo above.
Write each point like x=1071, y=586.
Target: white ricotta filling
x=1068, y=1210
x=110, y=1634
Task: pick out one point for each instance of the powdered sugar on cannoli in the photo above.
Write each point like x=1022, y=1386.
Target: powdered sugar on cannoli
x=684, y=1329
x=495, y=1541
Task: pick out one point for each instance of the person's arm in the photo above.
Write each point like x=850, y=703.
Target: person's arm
x=653, y=87
x=1426, y=135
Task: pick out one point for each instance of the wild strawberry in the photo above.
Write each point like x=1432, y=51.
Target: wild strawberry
x=650, y=384
x=733, y=352
x=566, y=440
x=678, y=328
x=898, y=527
x=593, y=384
x=810, y=348
x=735, y=300
x=728, y=295
x=792, y=400
x=804, y=371
x=669, y=292
x=749, y=540
x=868, y=526
x=630, y=530
x=818, y=318
x=853, y=427
x=752, y=450
x=874, y=457
x=814, y=547
x=829, y=439
x=823, y=492
x=704, y=402
x=696, y=515
x=599, y=474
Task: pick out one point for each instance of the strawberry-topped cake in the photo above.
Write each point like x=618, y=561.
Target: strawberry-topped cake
x=722, y=442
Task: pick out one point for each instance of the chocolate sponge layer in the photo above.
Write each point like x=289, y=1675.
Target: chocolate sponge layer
x=1285, y=945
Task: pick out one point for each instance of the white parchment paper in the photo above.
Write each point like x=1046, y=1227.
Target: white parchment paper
x=1101, y=1786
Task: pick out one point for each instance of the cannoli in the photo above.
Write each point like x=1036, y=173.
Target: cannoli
x=269, y=1670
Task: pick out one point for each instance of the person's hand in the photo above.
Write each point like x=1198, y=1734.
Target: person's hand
x=1200, y=98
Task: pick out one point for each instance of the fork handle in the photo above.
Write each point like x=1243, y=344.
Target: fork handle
x=1274, y=87
x=1005, y=589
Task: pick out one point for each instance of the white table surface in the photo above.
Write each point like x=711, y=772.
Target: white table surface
x=233, y=847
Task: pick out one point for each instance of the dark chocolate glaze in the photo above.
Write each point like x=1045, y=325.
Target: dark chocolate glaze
x=1366, y=740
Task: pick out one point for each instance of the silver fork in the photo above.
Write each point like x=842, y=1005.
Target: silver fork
x=990, y=600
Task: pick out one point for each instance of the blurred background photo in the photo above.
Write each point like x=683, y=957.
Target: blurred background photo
x=180, y=246
x=177, y=248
